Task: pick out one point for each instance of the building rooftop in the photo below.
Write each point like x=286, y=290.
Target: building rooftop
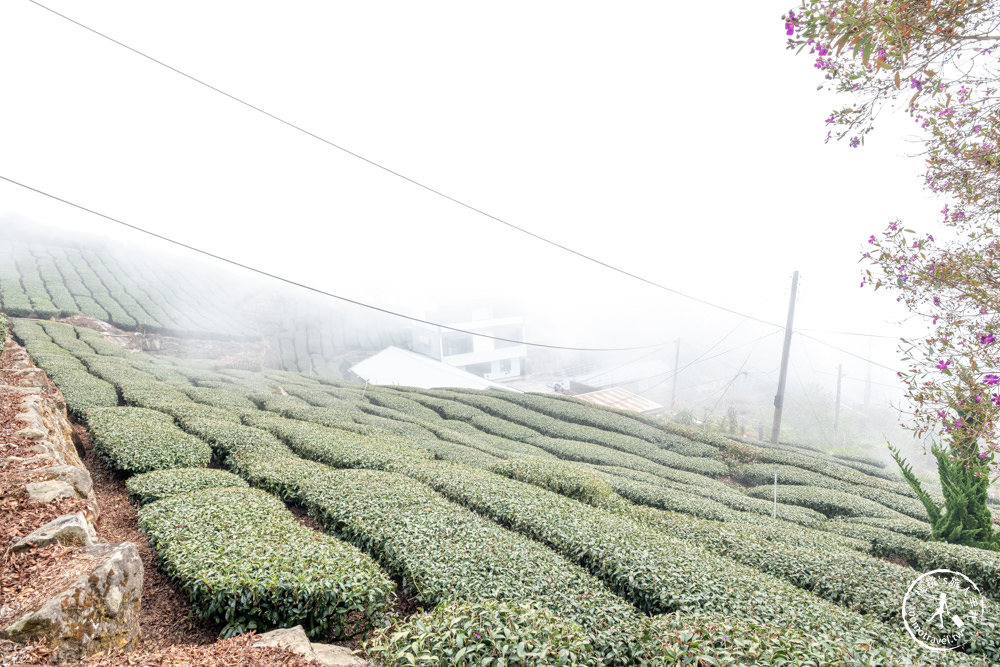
x=394, y=366
x=623, y=399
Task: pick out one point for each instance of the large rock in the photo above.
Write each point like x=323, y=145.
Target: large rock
x=95, y=612
x=78, y=478
x=43, y=492
x=331, y=655
x=71, y=530
x=295, y=640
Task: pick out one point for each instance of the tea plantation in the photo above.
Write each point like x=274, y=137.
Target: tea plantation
x=528, y=529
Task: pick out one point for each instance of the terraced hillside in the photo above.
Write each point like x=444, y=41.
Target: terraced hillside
x=48, y=276
x=529, y=529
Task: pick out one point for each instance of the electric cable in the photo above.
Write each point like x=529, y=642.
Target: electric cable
x=400, y=175
x=840, y=349
x=316, y=289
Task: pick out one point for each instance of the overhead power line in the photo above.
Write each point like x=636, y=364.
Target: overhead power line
x=317, y=290
x=840, y=349
x=398, y=174
x=851, y=333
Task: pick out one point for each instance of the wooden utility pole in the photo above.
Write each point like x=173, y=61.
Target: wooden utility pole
x=779, y=398
x=836, y=410
x=677, y=359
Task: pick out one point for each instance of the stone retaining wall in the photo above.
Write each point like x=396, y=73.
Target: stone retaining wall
x=97, y=607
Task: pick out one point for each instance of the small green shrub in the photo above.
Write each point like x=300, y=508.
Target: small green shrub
x=152, y=486
x=484, y=633
x=136, y=440
x=557, y=476
x=829, y=502
x=247, y=563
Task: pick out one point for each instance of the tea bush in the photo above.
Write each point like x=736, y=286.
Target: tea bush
x=135, y=440
x=247, y=563
x=828, y=502
x=557, y=476
x=152, y=486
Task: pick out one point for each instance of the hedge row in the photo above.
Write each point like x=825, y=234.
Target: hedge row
x=152, y=486
x=523, y=633
x=444, y=553
x=415, y=435
x=656, y=572
x=335, y=447
x=825, y=466
x=829, y=502
x=81, y=390
x=982, y=566
x=815, y=563
x=558, y=477
x=67, y=338
x=588, y=414
x=466, y=434
x=763, y=473
x=394, y=400
x=707, y=504
x=247, y=563
x=554, y=428
x=920, y=530
x=135, y=440
x=219, y=397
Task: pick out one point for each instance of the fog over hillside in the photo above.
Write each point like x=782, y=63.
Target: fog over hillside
x=609, y=196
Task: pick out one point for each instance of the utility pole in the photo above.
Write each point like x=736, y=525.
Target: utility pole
x=779, y=398
x=836, y=410
x=677, y=359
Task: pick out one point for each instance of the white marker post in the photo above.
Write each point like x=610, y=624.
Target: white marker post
x=774, y=514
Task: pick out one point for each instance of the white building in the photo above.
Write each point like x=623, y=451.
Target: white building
x=393, y=366
x=480, y=354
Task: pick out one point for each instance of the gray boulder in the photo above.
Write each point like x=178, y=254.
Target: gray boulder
x=43, y=492
x=96, y=612
x=326, y=655
x=70, y=530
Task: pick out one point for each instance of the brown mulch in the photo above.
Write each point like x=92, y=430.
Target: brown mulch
x=31, y=577
x=163, y=617
x=235, y=651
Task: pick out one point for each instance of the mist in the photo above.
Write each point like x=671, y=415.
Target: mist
x=613, y=188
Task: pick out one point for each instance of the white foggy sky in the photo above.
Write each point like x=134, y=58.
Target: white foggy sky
x=678, y=141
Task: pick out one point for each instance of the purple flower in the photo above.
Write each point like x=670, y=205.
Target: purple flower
x=854, y=142
x=916, y=83
x=987, y=339
x=789, y=28
x=991, y=379
x=984, y=456
x=871, y=239
x=943, y=364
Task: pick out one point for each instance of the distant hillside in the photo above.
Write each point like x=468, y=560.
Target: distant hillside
x=51, y=276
